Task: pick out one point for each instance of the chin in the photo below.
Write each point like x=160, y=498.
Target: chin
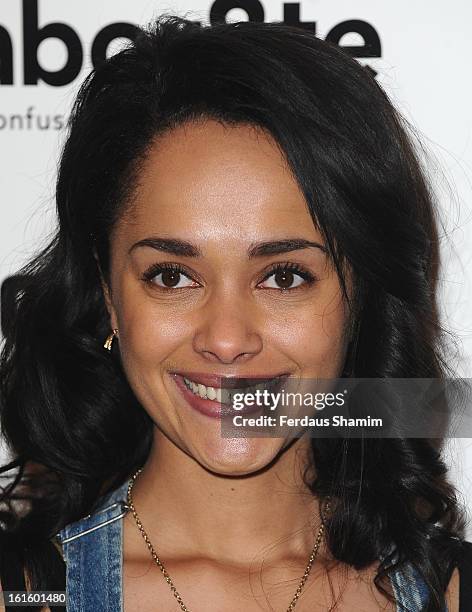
x=238, y=456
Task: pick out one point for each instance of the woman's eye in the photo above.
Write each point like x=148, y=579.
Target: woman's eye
x=285, y=278
x=170, y=279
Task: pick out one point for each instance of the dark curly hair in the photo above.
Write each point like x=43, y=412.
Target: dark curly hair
x=72, y=423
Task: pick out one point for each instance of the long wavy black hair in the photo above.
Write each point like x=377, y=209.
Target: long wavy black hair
x=73, y=425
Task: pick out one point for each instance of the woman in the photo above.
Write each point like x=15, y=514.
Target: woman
x=235, y=201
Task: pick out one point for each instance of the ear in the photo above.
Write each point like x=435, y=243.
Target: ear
x=108, y=302
x=107, y=295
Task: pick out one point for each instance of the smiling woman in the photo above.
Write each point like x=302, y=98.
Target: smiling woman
x=236, y=202
x=216, y=294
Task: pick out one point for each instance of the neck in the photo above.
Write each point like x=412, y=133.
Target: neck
x=189, y=511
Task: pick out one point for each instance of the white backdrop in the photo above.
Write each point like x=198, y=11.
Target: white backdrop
x=423, y=58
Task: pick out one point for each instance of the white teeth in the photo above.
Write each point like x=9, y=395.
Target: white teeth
x=211, y=393
x=216, y=393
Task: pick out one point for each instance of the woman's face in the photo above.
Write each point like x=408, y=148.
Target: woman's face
x=218, y=205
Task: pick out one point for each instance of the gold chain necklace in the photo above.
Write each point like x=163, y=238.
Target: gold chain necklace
x=168, y=579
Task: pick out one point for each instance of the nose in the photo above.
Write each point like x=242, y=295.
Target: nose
x=228, y=330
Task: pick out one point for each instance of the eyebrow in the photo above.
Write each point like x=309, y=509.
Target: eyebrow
x=276, y=247
x=169, y=245
x=183, y=248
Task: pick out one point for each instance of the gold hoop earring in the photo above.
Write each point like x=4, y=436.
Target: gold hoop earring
x=109, y=340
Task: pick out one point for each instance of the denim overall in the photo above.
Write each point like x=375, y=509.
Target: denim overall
x=92, y=550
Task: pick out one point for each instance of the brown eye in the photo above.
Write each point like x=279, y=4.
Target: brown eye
x=170, y=278
x=284, y=278
x=288, y=277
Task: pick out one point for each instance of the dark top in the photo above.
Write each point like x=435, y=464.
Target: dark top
x=465, y=572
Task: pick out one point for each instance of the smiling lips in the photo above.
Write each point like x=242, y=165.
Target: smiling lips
x=216, y=393
x=229, y=382
x=205, y=392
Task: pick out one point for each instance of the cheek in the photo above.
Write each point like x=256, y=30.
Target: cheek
x=316, y=337
x=149, y=334
x=148, y=330
x=149, y=337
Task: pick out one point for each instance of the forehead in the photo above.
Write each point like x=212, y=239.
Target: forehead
x=207, y=178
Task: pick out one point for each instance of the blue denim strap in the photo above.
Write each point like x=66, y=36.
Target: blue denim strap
x=409, y=589
x=92, y=548
x=411, y=593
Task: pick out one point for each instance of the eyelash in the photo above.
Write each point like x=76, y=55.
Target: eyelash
x=157, y=269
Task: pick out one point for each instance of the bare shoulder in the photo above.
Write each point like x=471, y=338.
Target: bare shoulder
x=371, y=599
x=28, y=588
x=452, y=592
x=28, y=581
